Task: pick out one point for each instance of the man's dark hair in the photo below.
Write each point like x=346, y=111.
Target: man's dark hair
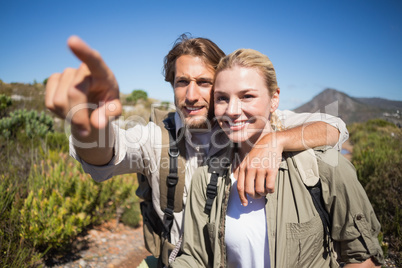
x=197, y=47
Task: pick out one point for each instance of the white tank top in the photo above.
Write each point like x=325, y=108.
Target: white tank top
x=246, y=232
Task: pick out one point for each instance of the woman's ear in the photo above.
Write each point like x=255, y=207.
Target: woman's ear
x=275, y=100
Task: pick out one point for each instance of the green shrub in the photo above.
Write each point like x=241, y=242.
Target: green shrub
x=5, y=102
x=14, y=250
x=132, y=215
x=21, y=140
x=22, y=123
x=46, y=200
x=377, y=156
x=57, y=141
x=63, y=201
x=136, y=95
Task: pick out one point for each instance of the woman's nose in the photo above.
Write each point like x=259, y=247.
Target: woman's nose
x=234, y=107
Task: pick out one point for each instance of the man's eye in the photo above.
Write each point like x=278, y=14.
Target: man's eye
x=181, y=82
x=204, y=83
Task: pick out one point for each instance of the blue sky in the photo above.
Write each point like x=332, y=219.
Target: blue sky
x=353, y=46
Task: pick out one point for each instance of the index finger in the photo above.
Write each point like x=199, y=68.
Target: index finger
x=89, y=56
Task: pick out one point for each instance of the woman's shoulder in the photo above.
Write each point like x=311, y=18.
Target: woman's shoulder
x=321, y=162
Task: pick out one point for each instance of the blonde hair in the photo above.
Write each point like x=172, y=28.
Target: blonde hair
x=250, y=58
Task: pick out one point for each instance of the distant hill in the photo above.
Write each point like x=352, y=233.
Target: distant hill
x=25, y=96
x=330, y=101
x=351, y=109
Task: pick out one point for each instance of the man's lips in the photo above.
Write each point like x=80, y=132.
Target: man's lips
x=194, y=109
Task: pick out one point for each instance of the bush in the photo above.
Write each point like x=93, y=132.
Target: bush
x=46, y=200
x=14, y=250
x=47, y=206
x=5, y=102
x=136, y=95
x=63, y=201
x=21, y=140
x=57, y=141
x=377, y=156
x=22, y=123
x=132, y=215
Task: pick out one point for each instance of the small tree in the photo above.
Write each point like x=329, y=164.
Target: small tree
x=5, y=102
x=136, y=95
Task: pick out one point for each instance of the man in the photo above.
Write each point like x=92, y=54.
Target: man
x=105, y=150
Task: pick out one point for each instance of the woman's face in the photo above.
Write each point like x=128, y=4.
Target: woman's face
x=243, y=104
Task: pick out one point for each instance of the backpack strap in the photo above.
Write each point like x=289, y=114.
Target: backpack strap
x=172, y=169
x=218, y=166
x=316, y=195
x=307, y=167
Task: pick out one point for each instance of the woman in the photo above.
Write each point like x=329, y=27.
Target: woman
x=283, y=229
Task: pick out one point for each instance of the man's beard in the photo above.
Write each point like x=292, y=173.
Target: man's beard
x=202, y=121
x=197, y=122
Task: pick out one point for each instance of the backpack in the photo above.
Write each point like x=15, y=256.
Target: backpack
x=171, y=187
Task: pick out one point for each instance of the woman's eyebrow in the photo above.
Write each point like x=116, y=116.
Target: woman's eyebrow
x=247, y=90
x=240, y=91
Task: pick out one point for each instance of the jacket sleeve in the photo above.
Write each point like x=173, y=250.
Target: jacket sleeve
x=291, y=119
x=355, y=226
x=196, y=249
x=137, y=149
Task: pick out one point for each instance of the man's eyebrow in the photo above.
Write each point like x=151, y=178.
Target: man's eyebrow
x=181, y=77
x=205, y=79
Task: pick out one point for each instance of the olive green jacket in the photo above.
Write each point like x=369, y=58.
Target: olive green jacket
x=295, y=231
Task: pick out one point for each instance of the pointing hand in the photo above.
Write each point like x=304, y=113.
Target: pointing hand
x=87, y=96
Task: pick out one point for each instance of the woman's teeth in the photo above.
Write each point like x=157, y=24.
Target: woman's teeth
x=237, y=124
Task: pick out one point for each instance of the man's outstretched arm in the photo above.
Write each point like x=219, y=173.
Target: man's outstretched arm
x=257, y=173
x=87, y=97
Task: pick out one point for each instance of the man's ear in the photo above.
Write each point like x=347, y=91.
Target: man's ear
x=275, y=100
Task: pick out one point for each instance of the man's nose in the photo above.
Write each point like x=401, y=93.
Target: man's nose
x=193, y=93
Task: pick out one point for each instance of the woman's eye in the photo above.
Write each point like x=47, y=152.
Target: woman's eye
x=221, y=98
x=248, y=96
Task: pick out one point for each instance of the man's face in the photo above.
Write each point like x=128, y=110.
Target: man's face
x=192, y=90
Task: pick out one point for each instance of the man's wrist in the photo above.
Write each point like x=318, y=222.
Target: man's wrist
x=280, y=140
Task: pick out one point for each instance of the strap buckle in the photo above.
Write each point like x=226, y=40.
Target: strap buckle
x=174, y=153
x=169, y=213
x=172, y=180
x=211, y=187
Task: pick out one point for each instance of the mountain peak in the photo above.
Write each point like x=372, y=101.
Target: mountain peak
x=349, y=109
